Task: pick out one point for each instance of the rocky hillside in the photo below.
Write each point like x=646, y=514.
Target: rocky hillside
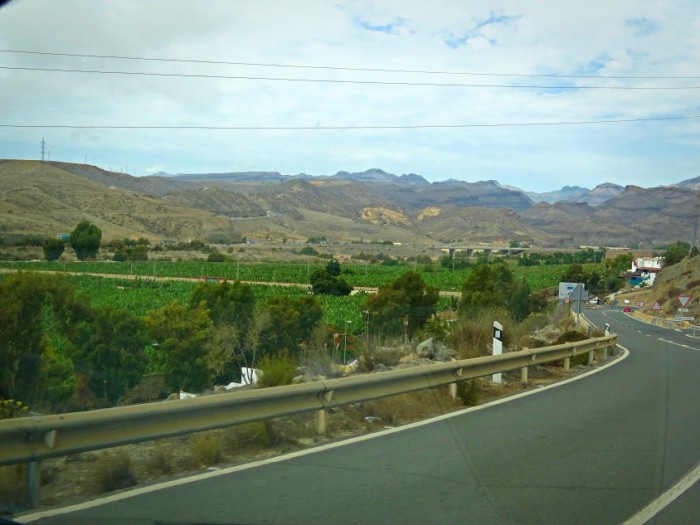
x=680, y=279
x=51, y=197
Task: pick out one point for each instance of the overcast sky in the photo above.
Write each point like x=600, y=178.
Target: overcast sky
x=602, y=39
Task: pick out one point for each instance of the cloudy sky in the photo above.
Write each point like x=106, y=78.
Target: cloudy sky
x=442, y=88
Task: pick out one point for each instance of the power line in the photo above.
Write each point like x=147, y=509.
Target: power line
x=338, y=81
x=339, y=68
x=327, y=128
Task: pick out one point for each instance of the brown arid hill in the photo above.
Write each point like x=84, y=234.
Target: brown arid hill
x=216, y=200
x=682, y=278
x=478, y=225
x=41, y=198
x=638, y=215
x=51, y=197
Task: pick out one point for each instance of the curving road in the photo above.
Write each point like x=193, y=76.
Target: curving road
x=592, y=451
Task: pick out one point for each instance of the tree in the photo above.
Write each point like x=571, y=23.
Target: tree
x=290, y=323
x=407, y=298
x=53, y=248
x=227, y=303
x=38, y=316
x=231, y=349
x=333, y=268
x=216, y=256
x=457, y=261
x=182, y=334
x=85, y=240
x=613, y=276
x=676, y=252
x=574, y=274
x=109, y=352
x=325, y=283
x=479, y=291
x=493, y=286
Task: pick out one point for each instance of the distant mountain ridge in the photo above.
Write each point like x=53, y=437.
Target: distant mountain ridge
x=50, y=197
x=594, y=197
x=565, y=193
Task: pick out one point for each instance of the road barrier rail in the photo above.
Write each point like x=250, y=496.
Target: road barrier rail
x=35, y=438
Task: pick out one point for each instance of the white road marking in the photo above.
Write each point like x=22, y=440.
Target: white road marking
x=665, y=499
x=678, y=344
x=28, y=518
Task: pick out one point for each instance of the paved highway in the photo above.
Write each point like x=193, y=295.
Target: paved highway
x=592, y=451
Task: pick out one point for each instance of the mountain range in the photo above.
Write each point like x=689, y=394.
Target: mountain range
x=51, y=197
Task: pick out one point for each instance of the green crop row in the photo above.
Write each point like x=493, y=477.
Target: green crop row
x=367, y=275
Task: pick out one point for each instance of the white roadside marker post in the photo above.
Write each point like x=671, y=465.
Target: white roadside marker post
x=497, y=346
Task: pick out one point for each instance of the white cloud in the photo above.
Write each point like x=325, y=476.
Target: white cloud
x=623, y=38
x=151, y=170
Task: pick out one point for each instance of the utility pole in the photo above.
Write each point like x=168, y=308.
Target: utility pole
x=696, y=226
x=43, y=149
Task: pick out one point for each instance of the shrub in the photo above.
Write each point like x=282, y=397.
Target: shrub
x=216, y=256
x=206, y=448
x=674, y=292
x=9, y=408
x=161, y=461
x=469, y=392
x=571, y=337
x=277, y=370
x=85, y=240
x=114, y=472
x=308, y=250
x=408, y=407
x=473, y=336
x=53, y=248
x=120, y=255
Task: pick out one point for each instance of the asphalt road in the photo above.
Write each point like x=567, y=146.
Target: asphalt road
x=592, y=451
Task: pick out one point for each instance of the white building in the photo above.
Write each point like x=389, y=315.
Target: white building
x=644, y=270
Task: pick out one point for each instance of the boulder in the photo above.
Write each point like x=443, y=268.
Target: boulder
x=434, y=349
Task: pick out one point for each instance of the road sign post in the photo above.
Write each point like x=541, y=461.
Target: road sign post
x=578, y=297
x=685, y=300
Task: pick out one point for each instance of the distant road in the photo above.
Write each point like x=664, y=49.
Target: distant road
x=594, y=451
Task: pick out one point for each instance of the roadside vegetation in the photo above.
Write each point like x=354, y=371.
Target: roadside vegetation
x=97, y=342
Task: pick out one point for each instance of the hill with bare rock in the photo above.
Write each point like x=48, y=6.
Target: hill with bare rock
x=47, y=198
x=41, y=198
x=682, y=278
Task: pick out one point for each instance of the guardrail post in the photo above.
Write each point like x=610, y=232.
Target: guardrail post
x=567, y=364
x=321, y=423
x=33, y=483
x=523, y=375
x=453, y=386
x=591, y=357
x=322, y=415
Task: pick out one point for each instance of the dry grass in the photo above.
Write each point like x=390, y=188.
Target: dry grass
x=113, y=472
x=12, y=487
x=405, y=408
x=207, y=448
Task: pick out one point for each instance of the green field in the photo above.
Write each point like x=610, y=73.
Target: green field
x=144, y=294
x=370, y=275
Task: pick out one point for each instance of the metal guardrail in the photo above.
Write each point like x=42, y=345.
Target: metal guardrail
x=31, y=439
